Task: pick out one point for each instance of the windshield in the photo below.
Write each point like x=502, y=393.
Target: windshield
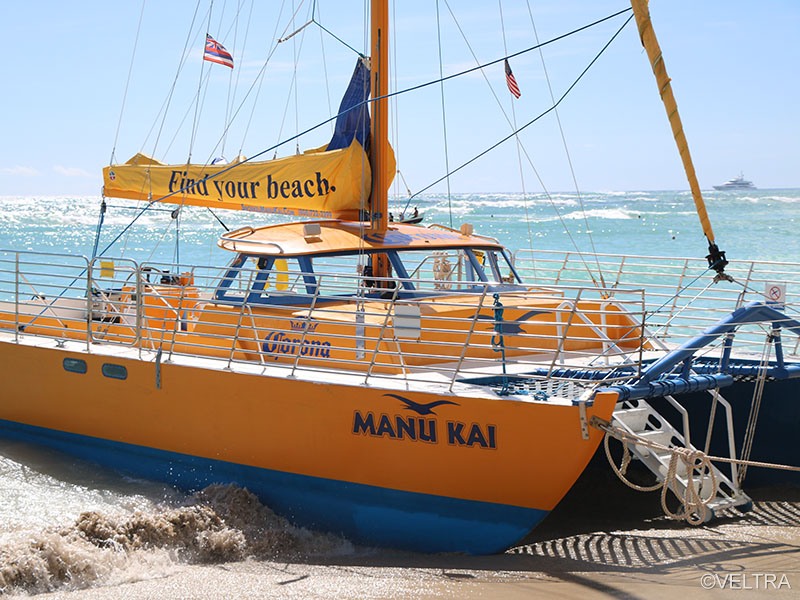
x=297, y=279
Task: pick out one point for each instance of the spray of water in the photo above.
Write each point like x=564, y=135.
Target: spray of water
x=216, y=525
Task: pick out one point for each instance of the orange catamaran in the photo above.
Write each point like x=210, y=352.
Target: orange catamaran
x=397, y=384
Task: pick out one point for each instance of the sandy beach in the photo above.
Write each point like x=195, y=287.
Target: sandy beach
x=603, y=541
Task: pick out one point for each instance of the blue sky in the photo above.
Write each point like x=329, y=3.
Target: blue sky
x=734, y=66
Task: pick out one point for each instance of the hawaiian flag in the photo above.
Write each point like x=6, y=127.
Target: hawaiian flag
x=511, y=82
x=216, y=53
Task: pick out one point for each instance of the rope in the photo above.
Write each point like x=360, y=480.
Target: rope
x=529, y=123
x=566, y=151
x=694, y=503
x=755, y=406
x=498, y=343
x=694, y=507
x=519, y=145
x=444, y=117
x=127, y=85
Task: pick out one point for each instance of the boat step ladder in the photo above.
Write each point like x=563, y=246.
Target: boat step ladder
x=639, y=418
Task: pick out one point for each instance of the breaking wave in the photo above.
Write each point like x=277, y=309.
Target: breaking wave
x=219, y=524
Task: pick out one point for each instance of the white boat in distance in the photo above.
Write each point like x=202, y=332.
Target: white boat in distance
x=737, y=183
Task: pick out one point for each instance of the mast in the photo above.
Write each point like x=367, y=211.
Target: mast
x=716, y=258
x=379, y=142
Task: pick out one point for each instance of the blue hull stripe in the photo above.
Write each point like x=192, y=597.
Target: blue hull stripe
x=365, y=514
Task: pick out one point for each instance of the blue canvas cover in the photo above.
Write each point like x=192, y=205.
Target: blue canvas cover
x=353, y=120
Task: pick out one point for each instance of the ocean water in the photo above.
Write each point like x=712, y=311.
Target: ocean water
x=748, y=225
x=67, y=525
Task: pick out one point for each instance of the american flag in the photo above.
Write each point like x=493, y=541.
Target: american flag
x=216, y=53
x=511, y=82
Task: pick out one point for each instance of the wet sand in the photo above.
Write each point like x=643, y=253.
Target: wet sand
x=603, y=541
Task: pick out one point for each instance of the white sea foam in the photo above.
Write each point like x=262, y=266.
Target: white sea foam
x=598, y=213
x=101, y=547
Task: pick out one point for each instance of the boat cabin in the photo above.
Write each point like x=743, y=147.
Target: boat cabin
x=333, y=260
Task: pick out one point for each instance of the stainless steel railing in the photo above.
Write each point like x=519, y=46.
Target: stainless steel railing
x=341, y=325
x=683, y=296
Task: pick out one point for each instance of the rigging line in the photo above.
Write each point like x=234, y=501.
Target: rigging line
x=231, y=85
x=678, y=293
x=324, y=63
x=357, y=106
x=295, y=32
x=176, y=214
x=444, y=115
x=186, y=113
x=520, y=53
x=100, y=220
x=149, y=259
x=164, y=109
x=129, y=225
x=213, y=214
x=168, y=99
x=294, y=87
x=518, y=140
x=337, y=38
x=289, y=96
x=197, y=108
x=257, y=84
x=512, y=126
x=259, y=80
x=127, y=84
x=787, y=309
x=566, y=150
x=420, y=86
x=394, y=113
x=244, y=45
x=535, y=119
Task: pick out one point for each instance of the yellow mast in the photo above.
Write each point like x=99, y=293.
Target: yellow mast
x=379, y=138
x=716, y=258
x=379, y=142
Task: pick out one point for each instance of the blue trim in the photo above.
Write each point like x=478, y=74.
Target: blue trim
x=365, y=514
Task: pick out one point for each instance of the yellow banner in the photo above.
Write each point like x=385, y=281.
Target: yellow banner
x=315, y=184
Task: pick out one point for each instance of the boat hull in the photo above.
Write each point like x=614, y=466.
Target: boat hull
x=411, y=470
x=776, y=428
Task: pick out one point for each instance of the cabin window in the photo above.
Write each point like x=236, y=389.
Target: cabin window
x=74, y=365
x=344, y=275
x=455, y=269
x=506, y=264
x=115, y=371
x=267, y=280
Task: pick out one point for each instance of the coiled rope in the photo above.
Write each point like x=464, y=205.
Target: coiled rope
x=694, y=503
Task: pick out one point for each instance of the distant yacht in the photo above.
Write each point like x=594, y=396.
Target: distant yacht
x=737, y=183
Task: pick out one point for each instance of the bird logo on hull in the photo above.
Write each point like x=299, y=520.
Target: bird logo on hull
x=421, y=409
x=424, y=426
x=511, y=326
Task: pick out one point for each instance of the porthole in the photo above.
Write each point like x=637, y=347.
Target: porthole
x=115, y=371
x=74, y=365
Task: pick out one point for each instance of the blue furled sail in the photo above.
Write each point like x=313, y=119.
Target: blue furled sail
x=353, y=120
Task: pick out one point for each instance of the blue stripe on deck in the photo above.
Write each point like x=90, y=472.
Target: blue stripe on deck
x=364, y=514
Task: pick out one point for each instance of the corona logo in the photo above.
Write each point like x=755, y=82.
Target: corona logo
x=303, y=325
x=277, y=342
